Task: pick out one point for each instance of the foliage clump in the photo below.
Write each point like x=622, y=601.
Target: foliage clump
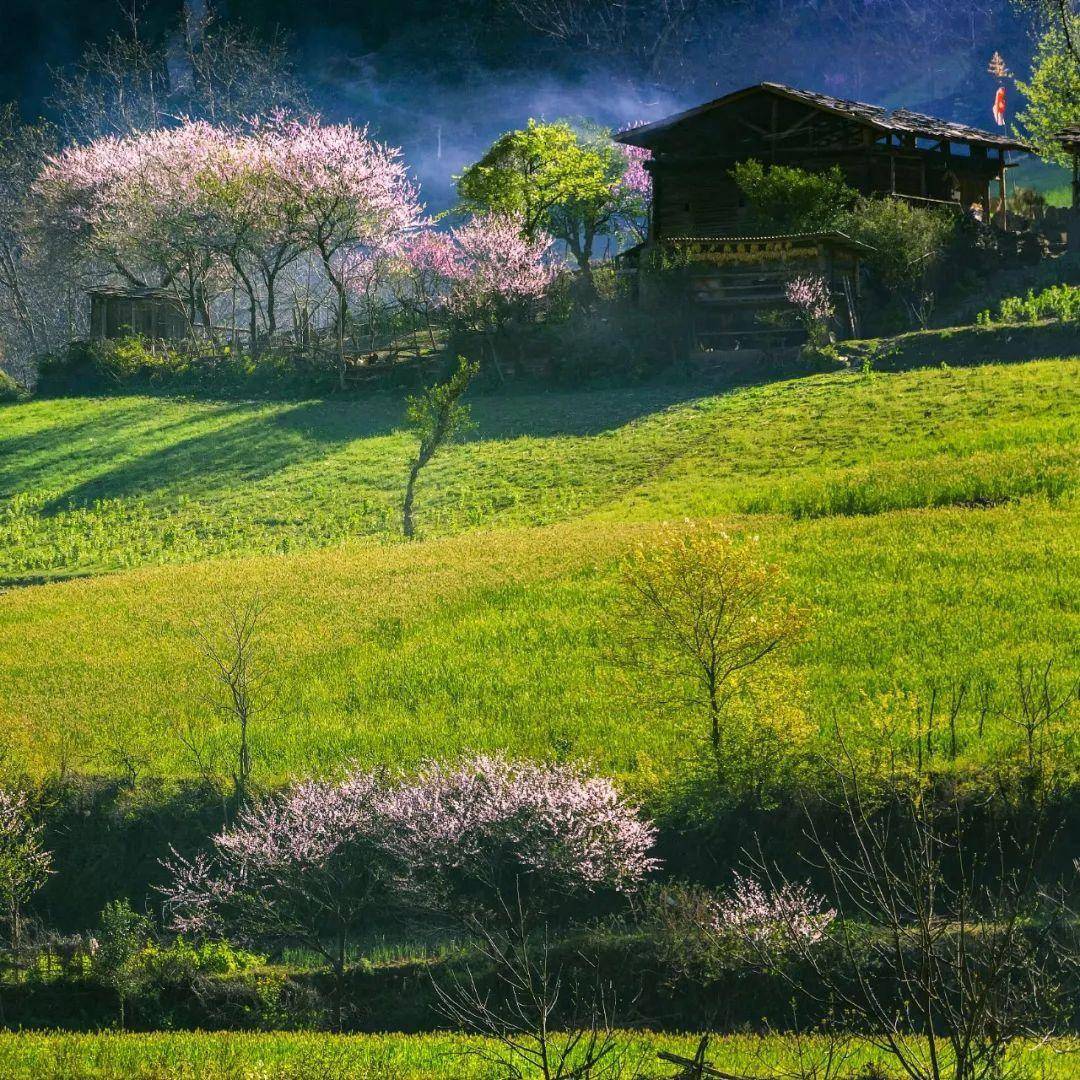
x=1053, y=92
x=906, y=248
x=570, y=181
x=782, y=199
x=705, y=618
x=1056, y=302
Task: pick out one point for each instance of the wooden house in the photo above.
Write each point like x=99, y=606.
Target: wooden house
x=880, y=152
x=150, y=313
x=696, y=201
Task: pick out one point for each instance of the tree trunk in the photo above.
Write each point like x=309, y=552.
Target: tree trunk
x=271, y=303
x=406, y=508
x=339, y=983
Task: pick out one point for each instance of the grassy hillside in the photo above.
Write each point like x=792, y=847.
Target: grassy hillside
x=928, y=519
x=99, y=484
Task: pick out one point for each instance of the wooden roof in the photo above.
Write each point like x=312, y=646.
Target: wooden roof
x=877, y=117
x=1069, y=137
x=131, y=292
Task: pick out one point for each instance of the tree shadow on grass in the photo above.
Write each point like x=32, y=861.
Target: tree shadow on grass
x=27, y=460
x=246, y=442
x=245, y=450
x=550, y=413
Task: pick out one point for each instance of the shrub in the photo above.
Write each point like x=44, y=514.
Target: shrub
x=1056, y=302
x=1028, y=203
x=135, y=362
x=907, y=246
x=123, y=934
x=10, y=390
x=181, y=961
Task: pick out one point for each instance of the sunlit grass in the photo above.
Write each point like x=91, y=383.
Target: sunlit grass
x=927, y=519
x=499, y=639
x=309, y=1056
x=95, y=484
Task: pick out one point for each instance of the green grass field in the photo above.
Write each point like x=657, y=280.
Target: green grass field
x=928, y=519
x=32, y=1056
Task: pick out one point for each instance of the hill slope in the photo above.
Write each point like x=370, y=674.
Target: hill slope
x=99, y=484
x=929, y=520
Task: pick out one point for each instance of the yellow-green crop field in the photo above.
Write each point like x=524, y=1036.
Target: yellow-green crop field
x=287, y=1056
x=928, y=520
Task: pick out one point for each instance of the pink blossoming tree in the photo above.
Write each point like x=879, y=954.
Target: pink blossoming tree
x=25, y=864
x=354, y=201
x=811, y=298
x=772, y=919
x=636, y=185
x=486, y=830
x=195, y=206
x=304, y=868
x=500, y=275
x=428, y=266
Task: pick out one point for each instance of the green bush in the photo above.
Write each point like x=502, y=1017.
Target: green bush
x=907, y=246
x=1057, y=302
x=136, y=363
x=181, y=960
x=10, y=390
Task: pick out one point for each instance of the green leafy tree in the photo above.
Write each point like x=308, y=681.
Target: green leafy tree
x=1052, y=95
x=123, y=934
x=436, y=416
x=565, y=180
x=781, y=199
x=1057, y=15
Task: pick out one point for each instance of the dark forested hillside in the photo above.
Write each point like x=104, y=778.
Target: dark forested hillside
x=442, y=85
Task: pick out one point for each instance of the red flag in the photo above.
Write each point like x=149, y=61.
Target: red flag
x=999, y=107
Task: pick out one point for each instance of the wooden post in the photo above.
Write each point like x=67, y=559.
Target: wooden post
x=1076, y=179
x=1001, y=184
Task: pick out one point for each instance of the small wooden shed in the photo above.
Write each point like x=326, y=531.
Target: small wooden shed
x=116, y=311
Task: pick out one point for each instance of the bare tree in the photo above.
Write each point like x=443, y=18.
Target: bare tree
x=542, y=1016
x=37, y=308
x=655, y=35
x=1044, y=704
x=241, y=694
x=941, y=953
x=205, y=69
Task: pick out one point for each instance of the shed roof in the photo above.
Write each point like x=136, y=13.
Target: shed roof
x=896, y=121
x=125, y=292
